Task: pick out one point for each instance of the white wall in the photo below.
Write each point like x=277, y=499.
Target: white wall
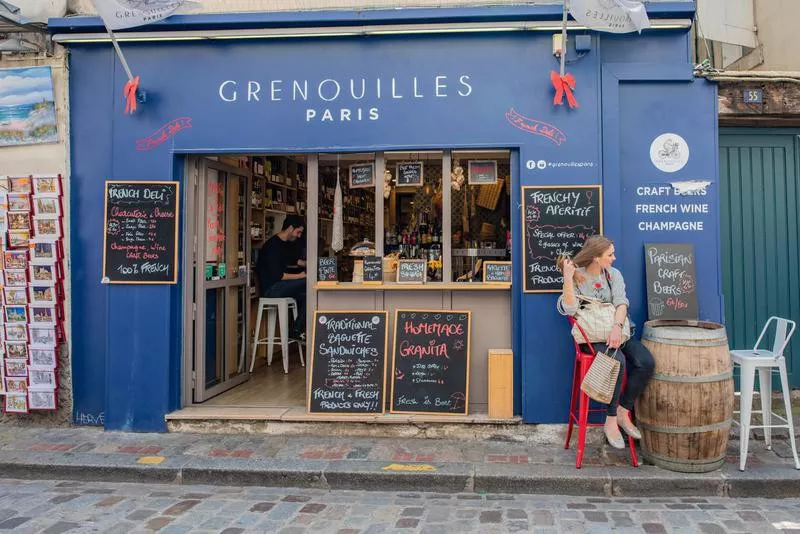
x=777, y=21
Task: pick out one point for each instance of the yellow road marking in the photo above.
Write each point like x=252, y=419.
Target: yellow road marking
x=150, y=460
x=409, y=467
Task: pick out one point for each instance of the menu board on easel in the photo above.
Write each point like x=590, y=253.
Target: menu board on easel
x=140, y=233
x=430, y=362
x=348, y=362
x=671, y=281
x=556, y=220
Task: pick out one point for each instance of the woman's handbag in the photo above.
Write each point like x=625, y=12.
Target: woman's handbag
x=597, y=319
x=601, y=378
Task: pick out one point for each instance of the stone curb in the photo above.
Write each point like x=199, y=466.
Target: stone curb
x=769, y=482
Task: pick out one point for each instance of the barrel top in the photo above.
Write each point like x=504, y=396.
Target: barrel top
x=680, y=330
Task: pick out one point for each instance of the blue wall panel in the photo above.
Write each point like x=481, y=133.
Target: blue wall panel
x=481, y=78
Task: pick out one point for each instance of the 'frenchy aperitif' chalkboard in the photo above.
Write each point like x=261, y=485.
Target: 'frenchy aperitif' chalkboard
x=430, y=362
x=140, y=233
x=348, y=362
x=556, y=220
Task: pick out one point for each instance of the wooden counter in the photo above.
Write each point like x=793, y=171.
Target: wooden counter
x=394, y=286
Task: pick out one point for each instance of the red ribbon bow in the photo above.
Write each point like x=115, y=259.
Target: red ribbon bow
x=130, y=95
x=563, y=85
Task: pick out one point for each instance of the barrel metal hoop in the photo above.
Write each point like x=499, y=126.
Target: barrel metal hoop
x=677, y=463
x=688, y=343
x=687, y=429
x=694, y=379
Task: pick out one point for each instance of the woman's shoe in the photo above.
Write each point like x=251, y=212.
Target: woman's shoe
x=631, y=430
x=617, y=443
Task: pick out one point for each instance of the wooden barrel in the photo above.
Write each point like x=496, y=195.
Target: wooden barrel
x=686, y=410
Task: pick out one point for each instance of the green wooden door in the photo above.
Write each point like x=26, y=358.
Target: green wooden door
x=759, y=201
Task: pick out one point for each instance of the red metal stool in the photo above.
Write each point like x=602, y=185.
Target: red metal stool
x=580, y=416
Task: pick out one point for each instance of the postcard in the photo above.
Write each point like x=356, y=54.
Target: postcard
x=16, y=332
x=43, y=358
x=15, y=296
x=43, y=252
x=40, y=379
x=19, y=202
x=41, y=315
x=16, y=314
x=42, y=400
x=15, y=259
x=19, y=220
x=18, y=238
x=43, y=295
x=19, y=184
x=16, y=404
x=46, y=206
x=16, y=385
x=43, y=274
x=43, y=337
x=47, y=185
x=16, y=367
x=46, y=226
x=16, y=278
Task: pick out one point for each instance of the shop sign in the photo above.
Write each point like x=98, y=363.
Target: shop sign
x=497, y=272
x=327, y=270
x=671, y=281
x=430, y=362
x=348, y=362
x=410, y=173
x=412, y=271
x=362, y=175
x=556, y=220
x=373, y=269
x=482, y=172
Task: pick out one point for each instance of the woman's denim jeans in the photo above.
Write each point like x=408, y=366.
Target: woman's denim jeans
x=640, y=365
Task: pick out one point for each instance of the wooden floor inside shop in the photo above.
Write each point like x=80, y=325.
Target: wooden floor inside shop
x=268, y=386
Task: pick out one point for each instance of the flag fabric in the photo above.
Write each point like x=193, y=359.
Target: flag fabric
x=121, y=14
x=615, y=16
x=337, y=243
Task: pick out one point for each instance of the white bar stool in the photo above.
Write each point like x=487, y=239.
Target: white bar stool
x=766, y=361
x=277, y=310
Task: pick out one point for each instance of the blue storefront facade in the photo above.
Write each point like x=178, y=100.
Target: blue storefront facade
x=369, y=93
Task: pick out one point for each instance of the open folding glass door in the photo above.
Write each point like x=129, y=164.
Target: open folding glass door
x=220, y=196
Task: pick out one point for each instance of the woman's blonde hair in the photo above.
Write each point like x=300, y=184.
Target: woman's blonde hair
x=594, y=247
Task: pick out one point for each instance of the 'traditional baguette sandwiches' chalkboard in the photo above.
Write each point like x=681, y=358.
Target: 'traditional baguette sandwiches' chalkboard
x=497, y=272
x=671, y=281
x=373, y=269
x=348, y=362
x=412, y=271
x=362, y=175
x=556, y=220
x=409, y=174
x=430, y=362
x=327, y=269
x=140, y=233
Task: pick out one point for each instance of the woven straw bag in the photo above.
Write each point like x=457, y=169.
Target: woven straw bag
x=601, y=378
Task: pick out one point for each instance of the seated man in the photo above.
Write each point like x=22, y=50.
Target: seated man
x=275, y=262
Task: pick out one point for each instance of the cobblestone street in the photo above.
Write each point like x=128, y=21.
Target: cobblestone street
x=54, y=507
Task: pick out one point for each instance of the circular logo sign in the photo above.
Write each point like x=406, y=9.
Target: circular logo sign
x=669, y=152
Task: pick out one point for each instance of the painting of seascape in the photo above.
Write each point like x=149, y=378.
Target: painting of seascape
x=27, y=107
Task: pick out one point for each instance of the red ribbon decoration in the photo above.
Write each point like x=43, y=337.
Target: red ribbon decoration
x=563, y=85
x=130, y=95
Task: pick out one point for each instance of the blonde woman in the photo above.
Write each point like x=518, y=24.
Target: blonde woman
x=590, y=274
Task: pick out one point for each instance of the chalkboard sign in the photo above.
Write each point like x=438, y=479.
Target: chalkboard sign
x=556, y=220
x=348, y=362
x=482, y=172
x=140, y=233
x=497, y=272
x=412, y=271
x=362, y=175
x=671, y=281
x=373, y=269
x=430, y=362
x=327, y=269
x=409, y=174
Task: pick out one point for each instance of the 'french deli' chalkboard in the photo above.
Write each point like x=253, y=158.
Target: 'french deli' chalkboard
x=430, y=362
x=140, y=233
x=671, y=281
x=556, y=220
x=348, y=362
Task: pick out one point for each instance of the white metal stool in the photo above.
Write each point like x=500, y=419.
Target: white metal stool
x=766, y=361
x=277, y=310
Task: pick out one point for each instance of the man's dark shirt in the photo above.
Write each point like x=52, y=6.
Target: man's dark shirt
x=275, y=256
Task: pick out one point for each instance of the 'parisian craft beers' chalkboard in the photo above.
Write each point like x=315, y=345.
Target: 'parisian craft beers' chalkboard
x=556, y=220
x=497, y=272
x=327, y=269
x=412, y=271
x=671, y=281
x=362, y=175
x=140, y=233
x=348, y=362
x=409, y=174
x=430, y=362
x=373, y=269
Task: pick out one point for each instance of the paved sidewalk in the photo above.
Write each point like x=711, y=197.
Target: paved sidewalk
x=391, y=464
